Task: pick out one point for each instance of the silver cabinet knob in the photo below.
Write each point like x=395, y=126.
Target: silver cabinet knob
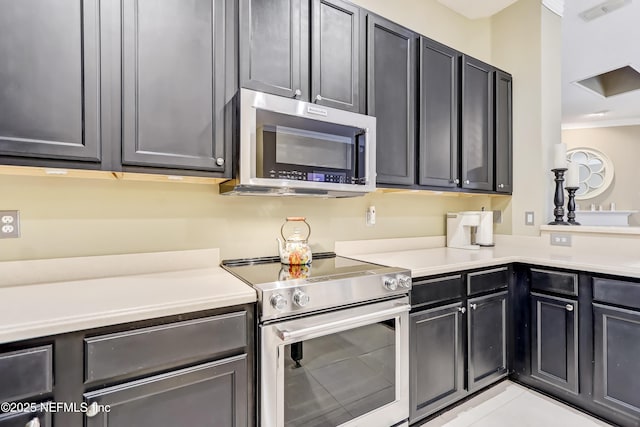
x=390, y=283
x=456, y=181
x=93, y=410
x=297, y=93
x=219, y=161
x=569, y=307
x=300, y=298
x=473, y=306
x=501, y=186
x=404, y=281
x=462, y=310
x=35, y=422
x=278, y=302
x=466, y=181
x=318, y=98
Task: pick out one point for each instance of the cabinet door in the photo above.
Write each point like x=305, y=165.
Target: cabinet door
x=554, y=347
x=337, y=51
x=391, y=88
x=274, y=47
x=436, y=358
x=438, y=149
x=212, y=394
x=173, y=83
x=503, y=133
x=477, y=124
x=487, y=339
x=50, y=79
x=617, y=363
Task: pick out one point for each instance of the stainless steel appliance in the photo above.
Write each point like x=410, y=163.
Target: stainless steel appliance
x=333, y=339
x=292, y=147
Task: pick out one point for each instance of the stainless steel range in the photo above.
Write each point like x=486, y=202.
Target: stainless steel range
x=333, y=339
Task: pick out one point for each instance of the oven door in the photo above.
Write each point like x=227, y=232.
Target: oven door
x=349, y=368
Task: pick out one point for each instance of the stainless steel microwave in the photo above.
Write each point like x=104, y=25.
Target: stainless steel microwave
x=291, y=147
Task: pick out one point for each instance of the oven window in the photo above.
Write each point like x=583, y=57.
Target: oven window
x=333, y=379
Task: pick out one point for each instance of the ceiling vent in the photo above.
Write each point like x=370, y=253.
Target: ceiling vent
x=615, y=82
x=603, y=9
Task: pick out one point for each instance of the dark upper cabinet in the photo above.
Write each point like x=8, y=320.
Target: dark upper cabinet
x=439, y=113
x=487, y=339
x=50, y=80
x=391, y=98
x=503, y=132
x=312, y=50
x=554, y=346
x=173, y=84
x=616, y=362
x=437, y=359
x=274, y=47
x=337, y=55
x=205, y=395
x=477, y=139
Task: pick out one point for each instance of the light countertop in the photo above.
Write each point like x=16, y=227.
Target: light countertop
x=42, y=309
x=439, y=260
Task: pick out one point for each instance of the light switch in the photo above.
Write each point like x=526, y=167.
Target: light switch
x=528, y=218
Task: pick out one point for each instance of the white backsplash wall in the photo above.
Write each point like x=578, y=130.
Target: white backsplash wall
x=63, y=217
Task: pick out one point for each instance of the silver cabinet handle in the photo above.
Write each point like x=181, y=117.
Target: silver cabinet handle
x=466, y=181
x=462, y=310
x=297, y=93
x=569, y=307
x=219, y=161
x=473, y=306
x=33, y=423
x=318, y=98
x=93, y=410
x=501, y=186
x=456, y=181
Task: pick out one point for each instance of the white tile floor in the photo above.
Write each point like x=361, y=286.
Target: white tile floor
x=509, y=405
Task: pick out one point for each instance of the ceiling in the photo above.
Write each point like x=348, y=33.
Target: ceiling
x=591, y=48
x=588, y=49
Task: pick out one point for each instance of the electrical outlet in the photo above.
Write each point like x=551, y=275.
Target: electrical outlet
x=371, y=216
x=529, y=218
x=9, y=224
x=560, y=239
x=497, y=217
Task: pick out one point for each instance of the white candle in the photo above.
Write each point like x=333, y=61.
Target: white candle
x=560, y=156
x=573, y=176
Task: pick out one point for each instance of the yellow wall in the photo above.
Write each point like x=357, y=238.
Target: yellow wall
x=620, y=145
x=63, y=217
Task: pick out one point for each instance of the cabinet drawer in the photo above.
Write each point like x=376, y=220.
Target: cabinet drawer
x=157, y=347
x=487, y=280
x=618, y=292
x=433, y=291
x=26, y=373
x=22, y=419
x=554, y=281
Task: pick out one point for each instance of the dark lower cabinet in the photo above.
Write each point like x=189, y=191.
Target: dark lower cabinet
x=173, y=104
x=487, y=339
x=50, y=80
x=477, y=139
x=212, y=394
x=616, y=382
x=554, y=347
x=391, y=98
x=28, y=419
x=437, y=359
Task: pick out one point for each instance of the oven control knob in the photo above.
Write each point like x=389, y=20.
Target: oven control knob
x=278, y=302
x=300, y=298
x=404, y=281
x=390, y=283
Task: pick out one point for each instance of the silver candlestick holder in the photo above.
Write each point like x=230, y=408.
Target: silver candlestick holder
x=558, y=198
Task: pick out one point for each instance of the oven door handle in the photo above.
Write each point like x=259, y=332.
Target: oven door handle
x=324, y=325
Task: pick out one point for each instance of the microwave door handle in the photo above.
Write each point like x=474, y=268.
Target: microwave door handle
x=322, y=327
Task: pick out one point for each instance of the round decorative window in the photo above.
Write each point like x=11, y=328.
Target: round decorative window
x=595, y=171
